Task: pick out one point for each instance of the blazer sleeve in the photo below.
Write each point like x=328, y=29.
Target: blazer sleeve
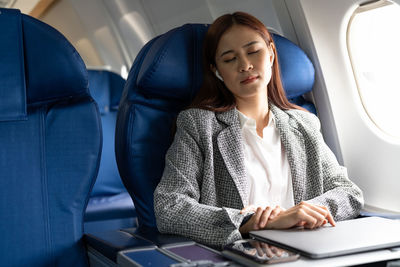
x=177, y=197
x=343, y=198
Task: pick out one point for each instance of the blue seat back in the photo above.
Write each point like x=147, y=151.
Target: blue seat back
x=50, y=145
x=110, y=206
x=106, y=88
x=164, y=78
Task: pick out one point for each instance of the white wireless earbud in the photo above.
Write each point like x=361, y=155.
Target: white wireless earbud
x=218, y=76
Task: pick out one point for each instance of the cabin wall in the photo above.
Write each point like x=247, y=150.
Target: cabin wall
x=111, y=32
x=370, y=155
x=62, y=16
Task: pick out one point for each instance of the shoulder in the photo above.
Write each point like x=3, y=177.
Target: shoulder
x=303, y=120
x=296, y=120
x=195, y=115
x=197, y=120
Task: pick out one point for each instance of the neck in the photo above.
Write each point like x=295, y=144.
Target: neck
x=255, y=108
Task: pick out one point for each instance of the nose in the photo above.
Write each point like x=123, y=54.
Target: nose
x=245, y=65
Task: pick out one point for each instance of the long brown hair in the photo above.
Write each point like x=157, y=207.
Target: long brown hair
x=213, y=94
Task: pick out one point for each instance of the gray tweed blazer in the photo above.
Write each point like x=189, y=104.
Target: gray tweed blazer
x=204, y=185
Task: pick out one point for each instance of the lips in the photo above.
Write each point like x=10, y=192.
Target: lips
x=249, y=79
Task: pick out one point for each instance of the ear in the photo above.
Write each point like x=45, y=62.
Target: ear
x=272, y=52
x=214, y=69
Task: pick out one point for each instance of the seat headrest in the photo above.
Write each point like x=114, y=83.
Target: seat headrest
x=106, y=88
x=12, y=70
x=37, y=62
x=297, y=71
x=172, y=67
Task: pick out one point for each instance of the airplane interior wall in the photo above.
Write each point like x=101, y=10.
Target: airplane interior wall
x=111, y=33
x=64, y=18
x=370, y=155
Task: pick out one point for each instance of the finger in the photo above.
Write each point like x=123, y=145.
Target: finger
x=265, y=216
x=280, y=208
x=330, y=219
x=275, y=212
x=311, y=218
x=301, y=223
x=278, y=252
x=320, y=209
x=259, y=249
x=309, y=221
x=268, y=251
x=327, y=214
x=264, y=247
x=317, y=213
x=324, y=211
x=256, y=218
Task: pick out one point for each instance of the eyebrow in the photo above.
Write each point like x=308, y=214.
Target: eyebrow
x=246, y=45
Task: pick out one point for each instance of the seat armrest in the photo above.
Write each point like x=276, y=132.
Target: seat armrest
x=386, y=215
x=111, y=242
x=154, y=236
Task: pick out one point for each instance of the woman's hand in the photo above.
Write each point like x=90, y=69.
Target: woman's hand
x=260, y=218
x=303, y=214
x=266, y=249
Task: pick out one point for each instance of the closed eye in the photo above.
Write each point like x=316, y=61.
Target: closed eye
x=253, y=52
x=229, y=60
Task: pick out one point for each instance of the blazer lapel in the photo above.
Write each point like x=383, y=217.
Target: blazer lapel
x=230, y=145
x=293, y=142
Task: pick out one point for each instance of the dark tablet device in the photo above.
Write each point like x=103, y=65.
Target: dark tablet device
x=145, y=257
x=195, y=252
x=257, y=252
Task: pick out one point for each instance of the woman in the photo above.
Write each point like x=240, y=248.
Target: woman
x=243, y=157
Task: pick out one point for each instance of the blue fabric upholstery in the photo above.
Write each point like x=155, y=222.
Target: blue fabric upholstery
x=109, y=199
x=297, y=72
x=15, y=106
x=106, y=88
x=146, y=113
x=48, y=160
x=164, y=78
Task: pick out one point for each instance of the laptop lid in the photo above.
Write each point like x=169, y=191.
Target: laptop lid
x=346, y=237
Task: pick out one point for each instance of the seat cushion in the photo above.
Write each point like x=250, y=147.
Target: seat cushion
x=110, y=207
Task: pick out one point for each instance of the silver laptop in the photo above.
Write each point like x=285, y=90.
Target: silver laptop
x=346, y=237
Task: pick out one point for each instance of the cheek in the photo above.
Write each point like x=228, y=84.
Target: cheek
x=267, y=67
x=227, y=74
x=268, y=70
x=267, y=73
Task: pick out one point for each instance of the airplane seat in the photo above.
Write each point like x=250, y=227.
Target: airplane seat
x=162, y=81
x=164, y=78
x=110, y=205
x=50, y=145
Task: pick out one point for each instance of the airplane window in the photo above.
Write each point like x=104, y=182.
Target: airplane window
x=373, y=43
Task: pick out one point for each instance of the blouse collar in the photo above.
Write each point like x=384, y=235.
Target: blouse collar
x=246, y=122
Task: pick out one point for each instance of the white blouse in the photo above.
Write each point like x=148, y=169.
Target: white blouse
x=266, y=164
